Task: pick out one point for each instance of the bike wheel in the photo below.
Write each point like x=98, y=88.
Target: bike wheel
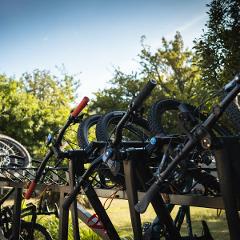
x=86, y=130
x=33, y=231
x=136, y=129
x=13, y=153
x=163, y=118
x=85, y=134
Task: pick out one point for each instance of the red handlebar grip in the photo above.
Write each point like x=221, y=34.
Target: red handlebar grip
x=30, y=189
x=80, y=107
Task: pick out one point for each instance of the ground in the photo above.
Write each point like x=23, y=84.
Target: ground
x=119, y=214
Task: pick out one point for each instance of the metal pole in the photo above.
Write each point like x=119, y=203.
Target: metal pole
x=74, y=210
x=144, y=175
x=17, y=215
x=229, y=188
x=63, y=220
x=132, y=198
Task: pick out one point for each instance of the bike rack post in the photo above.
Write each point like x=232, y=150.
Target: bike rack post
x=61, y=224
x=76, y=168
x=17, y=214
x=132, y=195
x=74, y=210
x=143, y=176
x=226, y=159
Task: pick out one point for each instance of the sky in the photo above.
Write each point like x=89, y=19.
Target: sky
x=90, y=37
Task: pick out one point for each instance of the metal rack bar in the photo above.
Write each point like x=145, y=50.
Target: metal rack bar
x=225, y=158
x=132, y=198
x=74, y=211
x=17, y=214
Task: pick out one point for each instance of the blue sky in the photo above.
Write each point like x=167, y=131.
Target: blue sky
x=90, y=37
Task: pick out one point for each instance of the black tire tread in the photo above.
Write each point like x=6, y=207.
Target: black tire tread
x=233, y=112
x=159, y=107
x=102, y=125
x=83, y=128
x=37, y=226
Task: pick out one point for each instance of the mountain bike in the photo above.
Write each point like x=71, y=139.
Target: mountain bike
x=29, y=230
x=199, y=134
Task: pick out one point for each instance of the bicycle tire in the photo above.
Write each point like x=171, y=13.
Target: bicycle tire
x=135, y=130
x=161, y=106
x=141, y=131
x=15, y=147
x=37, y=228
x=155, y=122
x=85, y=135
x=84, y=128
x=233, y=113
x=29, y=229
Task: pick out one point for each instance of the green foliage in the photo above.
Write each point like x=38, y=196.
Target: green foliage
x=216, y=223
x=123, y=88
x=33, y=106
x=218, y=48
x=172, y=66
x=88, y=234
x=52, y=225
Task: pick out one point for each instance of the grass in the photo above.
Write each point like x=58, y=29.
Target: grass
x=119, y=214
x=120, y=217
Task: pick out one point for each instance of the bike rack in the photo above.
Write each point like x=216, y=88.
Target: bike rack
x=84, y=216
x=136, y=175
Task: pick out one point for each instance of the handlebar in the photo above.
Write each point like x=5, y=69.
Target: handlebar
x=30, y=190
x=80, y=107
x=38, y=175
x=142, y=96
x=137, y=102
x=55, y=146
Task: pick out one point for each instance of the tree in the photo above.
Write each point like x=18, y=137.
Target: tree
x=218, y=48
x=172, y=66
x=123, y=88
x=35, y=105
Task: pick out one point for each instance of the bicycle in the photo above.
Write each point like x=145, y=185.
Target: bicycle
x=28, y=229
x=200, y=133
